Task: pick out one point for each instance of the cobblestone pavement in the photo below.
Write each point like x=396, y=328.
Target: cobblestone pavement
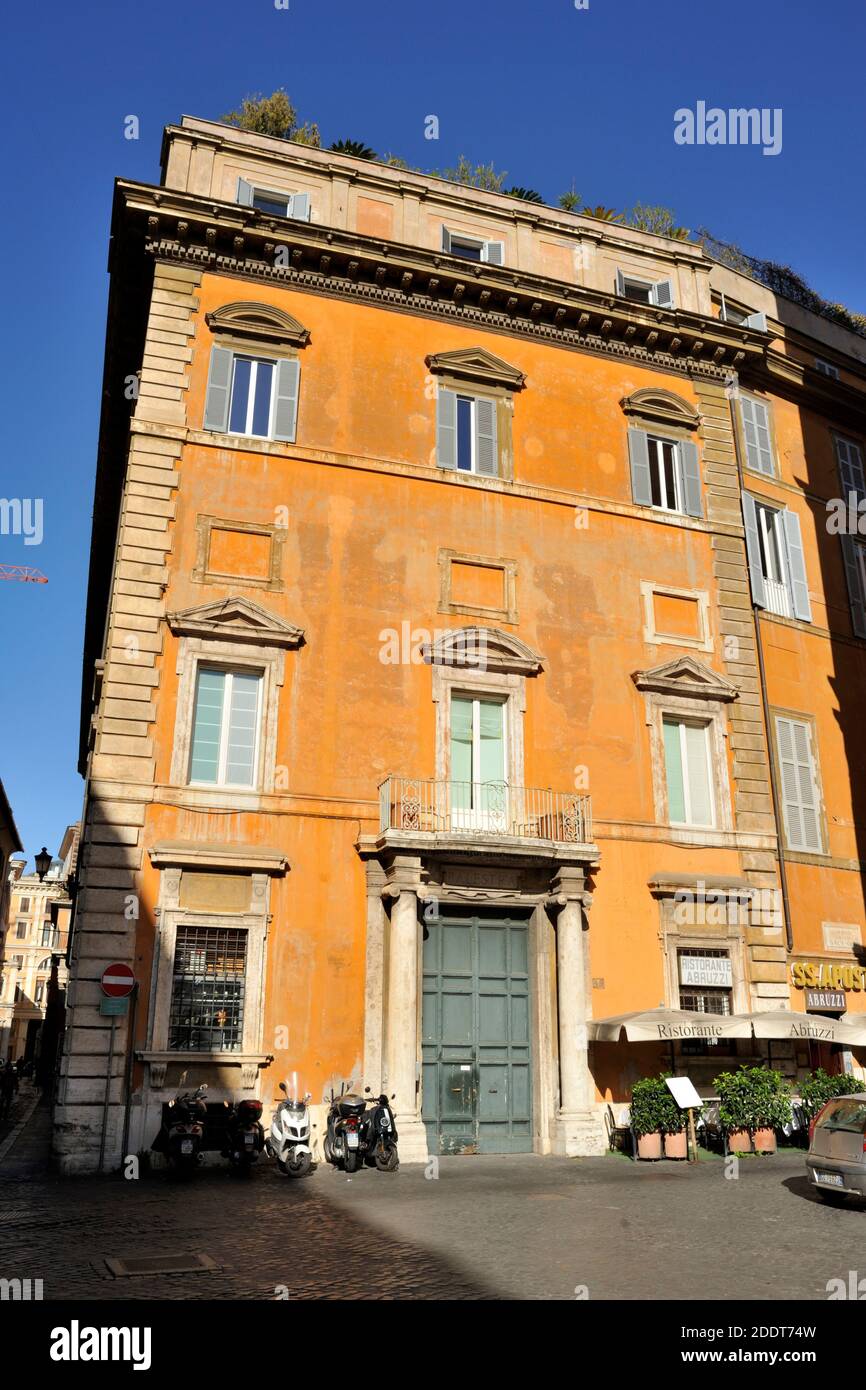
x=486, y=1228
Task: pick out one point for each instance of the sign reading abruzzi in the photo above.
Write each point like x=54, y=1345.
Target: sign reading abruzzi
x=809, y=974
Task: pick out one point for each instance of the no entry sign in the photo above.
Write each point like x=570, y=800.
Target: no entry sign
x=117, y=981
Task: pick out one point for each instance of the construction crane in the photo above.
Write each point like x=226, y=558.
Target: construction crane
x=25, y=573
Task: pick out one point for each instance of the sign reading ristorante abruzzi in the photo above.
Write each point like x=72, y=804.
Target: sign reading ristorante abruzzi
x=809, y=974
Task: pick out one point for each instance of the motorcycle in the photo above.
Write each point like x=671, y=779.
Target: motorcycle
x=355, y=1134
x=182, y=1131
x=244, y=1133
x=289, y=1141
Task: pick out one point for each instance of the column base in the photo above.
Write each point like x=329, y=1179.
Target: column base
x=412, y=1143
x=579, y=1134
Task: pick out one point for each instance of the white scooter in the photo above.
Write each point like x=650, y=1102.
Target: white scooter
x=289, y=1140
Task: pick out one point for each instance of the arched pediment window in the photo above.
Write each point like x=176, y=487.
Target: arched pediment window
x=659, y=407
x=248, y=319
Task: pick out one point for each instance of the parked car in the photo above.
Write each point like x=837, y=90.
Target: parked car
x=836, y=1162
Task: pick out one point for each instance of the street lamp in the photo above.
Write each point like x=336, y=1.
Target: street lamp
x=43, y=863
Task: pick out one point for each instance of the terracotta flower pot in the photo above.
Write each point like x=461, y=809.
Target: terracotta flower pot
x=649, y=1145
x=765, y=1141
x=739, y=1141
x=677, y=1145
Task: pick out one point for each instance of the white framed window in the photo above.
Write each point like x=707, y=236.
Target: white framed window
x=25, y=905
x=471, y=248
x=466, y=433
x=799, y=779
x=252, y=396
x=657, y=292
x=755, y=416
x=777, y=569
x=854, y=555
x=225, y=728
x=665, y=473
x=478, y=758
x=688, y=772
x=826, y=368
x=705, y=980
x=21, y=930
x=295, y=205
x=739, y=314
x=850, y=460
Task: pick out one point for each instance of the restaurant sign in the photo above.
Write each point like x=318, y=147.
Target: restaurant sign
x=808, y=974
x=706, y=972
x=825, y=1000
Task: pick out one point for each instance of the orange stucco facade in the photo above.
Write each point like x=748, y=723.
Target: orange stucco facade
x=354, y=553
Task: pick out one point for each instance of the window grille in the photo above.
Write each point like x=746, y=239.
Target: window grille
x=207, y=995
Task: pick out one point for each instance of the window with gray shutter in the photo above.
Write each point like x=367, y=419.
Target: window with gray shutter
x=638, y=456
x=486, y=457
x=446, y=428
x=216, y=408
x=850, y=461
x=691, y=475
x=756, y=433
x=286, y=400
x=799, y=785
x=854, y=554
x=800, y=601
x=753, y=550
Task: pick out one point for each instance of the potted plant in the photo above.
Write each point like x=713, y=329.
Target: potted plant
x=735, y=1108
x=819, y=1087
x=673, y=1126
x=647, y=1111
x=771, y=1107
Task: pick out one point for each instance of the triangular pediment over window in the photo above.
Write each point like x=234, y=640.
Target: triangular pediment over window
x=482, y=649
x=477, y=365
x=661, y=407
x=248, y=319
x=235, y=620
x=685, y=676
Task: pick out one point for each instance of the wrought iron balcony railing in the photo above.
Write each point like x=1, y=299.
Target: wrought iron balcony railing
x=434, y=807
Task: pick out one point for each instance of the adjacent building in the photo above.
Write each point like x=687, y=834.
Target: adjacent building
x=468, y=655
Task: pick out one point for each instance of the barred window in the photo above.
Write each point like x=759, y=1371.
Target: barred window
x=207, y=992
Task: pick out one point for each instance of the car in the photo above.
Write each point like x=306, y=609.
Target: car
x=836, y=1161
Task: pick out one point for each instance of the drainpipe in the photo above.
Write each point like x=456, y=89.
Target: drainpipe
x=759, y=646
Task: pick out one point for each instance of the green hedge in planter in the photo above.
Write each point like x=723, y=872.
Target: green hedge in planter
x=649, y=1105
x=819, y=1087
x=753, y=1098
x=673, y=1118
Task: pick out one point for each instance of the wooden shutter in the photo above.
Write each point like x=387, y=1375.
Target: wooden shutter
x=494, y=252
x=638, y=455
x=446, y=240
x=851, y=551
x=757, y=321
x=245, y=193
x=756, y=432
x=753, y=550
x=486, y=452
x=797, y=567
x=663, y=294
x=799, y=793
x=620, y=284
x=691, y=477
x=219, y=383
x=286, y=401
x=300, y=206
x=850, y=462
x=446, y=428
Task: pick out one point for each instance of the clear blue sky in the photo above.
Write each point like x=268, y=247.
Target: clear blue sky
x=551, y=94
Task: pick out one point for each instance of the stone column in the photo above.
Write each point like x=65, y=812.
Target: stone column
x=578, y=1128
x=402, y=1059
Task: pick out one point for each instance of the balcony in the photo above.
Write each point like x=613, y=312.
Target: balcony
x=777, y=598
x=487, y=811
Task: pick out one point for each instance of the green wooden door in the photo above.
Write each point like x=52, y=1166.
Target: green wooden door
x=476, y=1094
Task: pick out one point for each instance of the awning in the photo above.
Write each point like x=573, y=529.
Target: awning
x=667, y=1025
x=790, y=1026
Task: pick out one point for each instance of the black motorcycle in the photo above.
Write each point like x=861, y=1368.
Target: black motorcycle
x=356, y=1133
x=182, y=1130
x=245, y=1137
x=380, y=1136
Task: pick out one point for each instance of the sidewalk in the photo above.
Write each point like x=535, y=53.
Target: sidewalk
x=25, y=1146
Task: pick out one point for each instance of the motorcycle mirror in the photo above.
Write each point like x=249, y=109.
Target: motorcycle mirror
x=393, y=1095
x=226, y=1104
x=366, y=1090
x=204, y=1087
x=283, y=1087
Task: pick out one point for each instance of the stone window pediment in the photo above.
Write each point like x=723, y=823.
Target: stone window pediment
x=686, y=677
x=655, y=407
x=478, y=366
x=235, y=620
x=483, y=649
x=248, y=319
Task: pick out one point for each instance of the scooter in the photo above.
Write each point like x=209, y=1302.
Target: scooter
x=343, y=1137
x=180, y=1137
x=380, y=1136
x=289, y=1140
x=244, y=1133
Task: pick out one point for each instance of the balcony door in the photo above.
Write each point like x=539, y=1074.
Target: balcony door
x=479, y=774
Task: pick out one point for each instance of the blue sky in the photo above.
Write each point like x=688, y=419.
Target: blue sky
x=554, y=95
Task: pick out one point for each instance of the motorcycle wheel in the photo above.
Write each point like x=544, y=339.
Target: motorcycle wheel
x=351, y=1160
x=298, y=1167
x=389, y=1161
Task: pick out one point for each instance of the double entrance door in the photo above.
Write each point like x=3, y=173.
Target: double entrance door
x=476, y=1095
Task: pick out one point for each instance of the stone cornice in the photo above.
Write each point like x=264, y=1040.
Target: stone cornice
x=226, y=238
x=255, y=859
x=685, y=676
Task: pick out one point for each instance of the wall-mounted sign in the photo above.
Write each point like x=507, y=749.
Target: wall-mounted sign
x=707, y=972
x=810, y=974
x=825, y=1000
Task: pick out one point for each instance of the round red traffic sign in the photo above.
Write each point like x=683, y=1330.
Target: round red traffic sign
x=117, y=981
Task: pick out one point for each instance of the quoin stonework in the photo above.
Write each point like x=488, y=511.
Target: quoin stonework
x=593, y=465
